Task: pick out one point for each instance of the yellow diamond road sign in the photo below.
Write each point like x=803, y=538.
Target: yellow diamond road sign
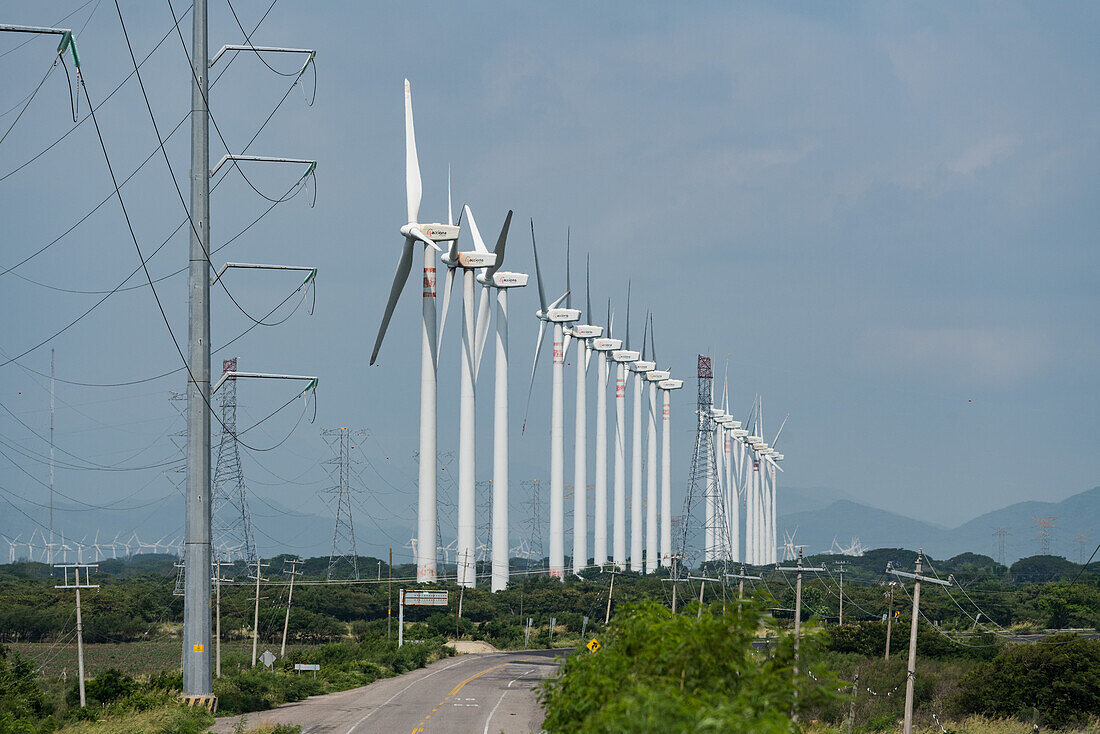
x=593, y=645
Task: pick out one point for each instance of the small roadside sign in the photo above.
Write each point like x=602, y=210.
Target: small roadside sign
x=267, y=658
x=593, y=645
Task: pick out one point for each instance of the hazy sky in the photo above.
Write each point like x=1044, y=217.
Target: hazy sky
x=879, y=213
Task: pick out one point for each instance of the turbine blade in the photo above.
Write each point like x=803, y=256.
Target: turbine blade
x=652, y=341
x=538, y=270
x=587, y=357
x=610, y=320
x=420, y=236
x=566, y=340
x=448, y=285
x=482, y=328
x=450, y=213
x=479, y=244
x=588, y=285
x=645, y=333
x=399, y=280
x=502, y=241
x=626, y=341
x=534, y=364
x=557, y=303
x=413, y=189
x=568, y=288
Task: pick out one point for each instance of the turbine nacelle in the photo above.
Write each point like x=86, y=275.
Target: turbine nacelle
x=606, y=344
x=625, y=356
x=724, y=420
x=740, y=433
x=734, y=424
x=642, y=366
x=474, y=259
x=561, y=315
x=657, y=375
x=585, y=331
x=670, y=384
x=502, y=279
x=438, y=232
x=759, y=446
x=777, y=456
x=717, y=413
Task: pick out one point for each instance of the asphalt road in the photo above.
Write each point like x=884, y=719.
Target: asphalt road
x=485, y=693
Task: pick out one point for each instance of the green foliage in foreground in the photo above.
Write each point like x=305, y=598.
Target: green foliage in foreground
x=664, y=672
x=1056, y=683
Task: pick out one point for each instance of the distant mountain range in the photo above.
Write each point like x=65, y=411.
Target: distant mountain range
x=821, y=521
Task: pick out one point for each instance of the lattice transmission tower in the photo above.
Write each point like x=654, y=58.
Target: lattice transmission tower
x=702, y=513
x=230, y=519
x=343, y=559
x=1044, y=527
x=533, y=524
x=999, y=535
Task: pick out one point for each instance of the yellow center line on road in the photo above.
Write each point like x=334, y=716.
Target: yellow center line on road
x=459, y=687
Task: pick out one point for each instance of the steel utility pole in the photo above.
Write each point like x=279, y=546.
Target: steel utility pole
x=911, y=674
x=77, y=586
x=256, y=614
x=889, y=620
x=290, y=596
x=799, y=569
x=389, y=595
x=196, y=598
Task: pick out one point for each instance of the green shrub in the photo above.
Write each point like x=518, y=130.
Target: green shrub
x=1053, y=683
x=664, y=672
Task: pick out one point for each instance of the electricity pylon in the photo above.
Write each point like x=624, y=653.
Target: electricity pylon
x=702, y=491
x=343, y=553
x=231, y=522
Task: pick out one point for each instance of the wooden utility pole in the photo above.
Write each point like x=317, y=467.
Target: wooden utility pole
x=799, y=569
x=889, y=619
x=741, y=581
x=76, y=585
x=607, y=617
x=911, y=673
x=389, y=596
x=852, y=705
x=289, y=597
x=256, y=614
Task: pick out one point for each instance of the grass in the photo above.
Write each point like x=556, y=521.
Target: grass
x=969, y=725
x=135, y=658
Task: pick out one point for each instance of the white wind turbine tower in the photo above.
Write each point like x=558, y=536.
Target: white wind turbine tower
x=653, y=377
x=639, y=368
x=713, y=545
x=752, y=500
x=428, y=234
x=603, y=346
x=666, y=387
x=623, y=359
x=583, y=334
x=732, y=479
x=727, y=498
x=468, y=262
x=551, y=313
x=493, y=277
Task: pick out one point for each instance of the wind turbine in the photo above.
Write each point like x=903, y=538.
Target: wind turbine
x=712, y=532
x=666, y=387
x=639, y=368
x=553, y=314
x=653, y=377
x=468, y=262
x=603, y=346
x=428, y=234
x=623, y=359
x=493, y=277
x=583, y=334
